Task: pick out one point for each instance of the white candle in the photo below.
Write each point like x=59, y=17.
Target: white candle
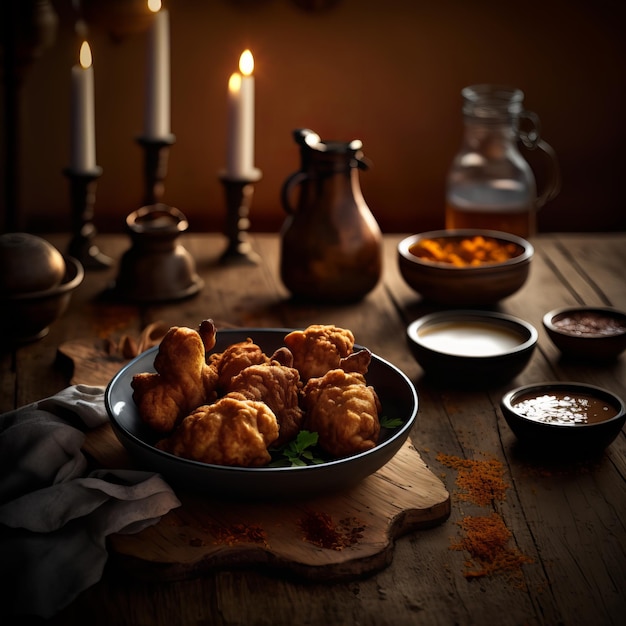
x=240, y=158
x=157, y=105
x=83, y=148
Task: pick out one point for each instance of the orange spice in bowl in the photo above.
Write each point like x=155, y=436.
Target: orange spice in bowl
x=464, y=267
x=465, y=251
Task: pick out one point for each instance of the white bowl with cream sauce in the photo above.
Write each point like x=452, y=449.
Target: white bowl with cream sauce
x=475, y=347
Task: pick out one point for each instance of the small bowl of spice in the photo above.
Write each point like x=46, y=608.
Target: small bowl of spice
x=466, y=266
x=564, y=418
x=587, y=332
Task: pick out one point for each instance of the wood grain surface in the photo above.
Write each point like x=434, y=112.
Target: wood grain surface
x=566, y=517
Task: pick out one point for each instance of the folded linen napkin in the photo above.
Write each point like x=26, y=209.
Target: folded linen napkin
x=54, y=520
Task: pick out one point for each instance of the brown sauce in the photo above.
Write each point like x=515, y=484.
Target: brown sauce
x=590, y=323
x=568, y=409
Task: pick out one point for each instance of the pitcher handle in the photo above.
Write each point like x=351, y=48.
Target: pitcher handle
x=531, y=139
x=554, y=185
x=295, y=179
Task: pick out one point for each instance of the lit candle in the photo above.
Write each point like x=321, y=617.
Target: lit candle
x=157, y=105
x=240, y=158
x=83, y=149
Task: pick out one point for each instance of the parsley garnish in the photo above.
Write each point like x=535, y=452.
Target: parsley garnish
x=299, y=452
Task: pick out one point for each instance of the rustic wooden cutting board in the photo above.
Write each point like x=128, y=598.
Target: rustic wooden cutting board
x=334, y=537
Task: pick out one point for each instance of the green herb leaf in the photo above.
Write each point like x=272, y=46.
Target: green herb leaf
x=391, y=422
x=299, y=452
x=304, y=440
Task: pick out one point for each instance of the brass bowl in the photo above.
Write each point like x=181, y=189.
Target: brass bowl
x=29, y=263
x=28, y=316
x=467, y=285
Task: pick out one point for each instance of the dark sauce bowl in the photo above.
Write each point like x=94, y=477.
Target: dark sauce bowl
x=587, y=332
x=554, y=436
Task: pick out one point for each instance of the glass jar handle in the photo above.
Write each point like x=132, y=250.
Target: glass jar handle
x=530, y=136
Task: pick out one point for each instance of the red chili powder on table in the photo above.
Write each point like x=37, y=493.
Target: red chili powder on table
x=487, y=538
x=319, y=529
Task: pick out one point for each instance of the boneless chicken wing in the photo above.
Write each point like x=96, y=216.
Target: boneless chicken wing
x=319, y=348
x=279, y=387
x=234, y=431
x=344, y=411
x=182, y=381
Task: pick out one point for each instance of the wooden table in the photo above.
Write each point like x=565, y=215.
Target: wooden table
x=565, y=519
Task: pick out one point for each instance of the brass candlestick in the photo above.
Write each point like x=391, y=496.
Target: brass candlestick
x=82, y=200
x=156, y=154
x=239, y=192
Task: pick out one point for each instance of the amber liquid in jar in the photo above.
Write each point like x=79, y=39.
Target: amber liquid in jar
x=520, y=224
x=503, y=205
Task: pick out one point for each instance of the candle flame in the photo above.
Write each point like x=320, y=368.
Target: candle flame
x=154, y=5
x=246, y=63
x=234, y=83
x=85, y=55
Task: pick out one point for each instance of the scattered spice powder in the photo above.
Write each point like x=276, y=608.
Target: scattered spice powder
x=487, y=537
x=241, y=533
x=482, y=480
x=320, y=530
x=487, y=541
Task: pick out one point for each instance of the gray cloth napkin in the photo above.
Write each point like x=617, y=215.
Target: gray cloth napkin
x=54, y=519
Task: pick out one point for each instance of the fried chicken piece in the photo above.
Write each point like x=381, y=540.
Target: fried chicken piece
x=182, y=381
x=319, y=348
x=232, y=431
x=343, y=410
x=279, y=387
x=235, y=358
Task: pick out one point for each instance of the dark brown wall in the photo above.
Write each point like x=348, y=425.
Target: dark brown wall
x=386, y=72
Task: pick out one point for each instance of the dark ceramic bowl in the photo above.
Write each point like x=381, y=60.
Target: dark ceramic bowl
x=587, y=332
x=396, y=392
x=29, y=315
x=555, y=437
x=477, y=348
x=468, y=285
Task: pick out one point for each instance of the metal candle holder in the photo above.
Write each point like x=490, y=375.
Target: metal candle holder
x=156, y=154
x=239, y=192
x=82, y=199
